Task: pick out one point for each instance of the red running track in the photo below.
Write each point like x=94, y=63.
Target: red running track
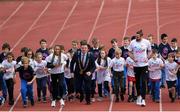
x=24, y=23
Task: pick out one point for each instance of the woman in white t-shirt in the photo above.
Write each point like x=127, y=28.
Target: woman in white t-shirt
x=171, y=68
x=56, y=62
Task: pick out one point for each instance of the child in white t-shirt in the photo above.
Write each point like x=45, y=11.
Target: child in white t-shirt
x=41, y=76
x=155, y=65
x=103, y=73
x=171, y=68
x=9, y=75
x=131, y=79
x=117, y=64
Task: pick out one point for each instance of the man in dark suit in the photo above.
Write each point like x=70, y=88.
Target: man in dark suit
x=85, y=66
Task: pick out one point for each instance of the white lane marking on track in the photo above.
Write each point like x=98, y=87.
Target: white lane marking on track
x=127, y=19
x=111, y=104
x=157, y=20
x=14, y=12
x=65, y=22
x=33, y=24
x=15, y=102
x=46, y=7
x=158, y=34
x=96, y=21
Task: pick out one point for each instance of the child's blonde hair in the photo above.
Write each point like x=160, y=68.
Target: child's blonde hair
x=25, y=60
x=118, y=51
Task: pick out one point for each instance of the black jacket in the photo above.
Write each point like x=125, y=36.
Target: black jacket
x=89, y=63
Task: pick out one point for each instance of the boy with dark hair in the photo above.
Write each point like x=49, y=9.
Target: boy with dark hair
x=111, y=52
x=164, y=50
x=75, y=46
x=153, y=45
x=95, y=50
x=174, y=47
x=171, y=75
x=124, y=48
x=43, y=48
x=24, y=51
x=5, y=49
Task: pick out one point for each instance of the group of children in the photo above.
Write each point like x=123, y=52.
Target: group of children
x=50, y=67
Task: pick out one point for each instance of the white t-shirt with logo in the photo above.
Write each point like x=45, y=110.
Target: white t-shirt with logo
x=118, y=64
x=10, y=69
x=39, y=69
x=155, y=66
x=105, y=74
x=169, y=67
x=60, y=69
x=139, y=50
x=130, y=69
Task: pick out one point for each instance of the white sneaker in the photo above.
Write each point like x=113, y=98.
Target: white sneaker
x=99, y=99
x=53, y=103
x=93, y=99
x=143, y=103
x=62, y=102
x=2, y=101
x=139, y=100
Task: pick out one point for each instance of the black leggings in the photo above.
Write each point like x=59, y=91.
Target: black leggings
x=10, y=87
x=93, y=87
x=57, y=85
x=141, y=74
x=106, y=87
x=70, y=85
